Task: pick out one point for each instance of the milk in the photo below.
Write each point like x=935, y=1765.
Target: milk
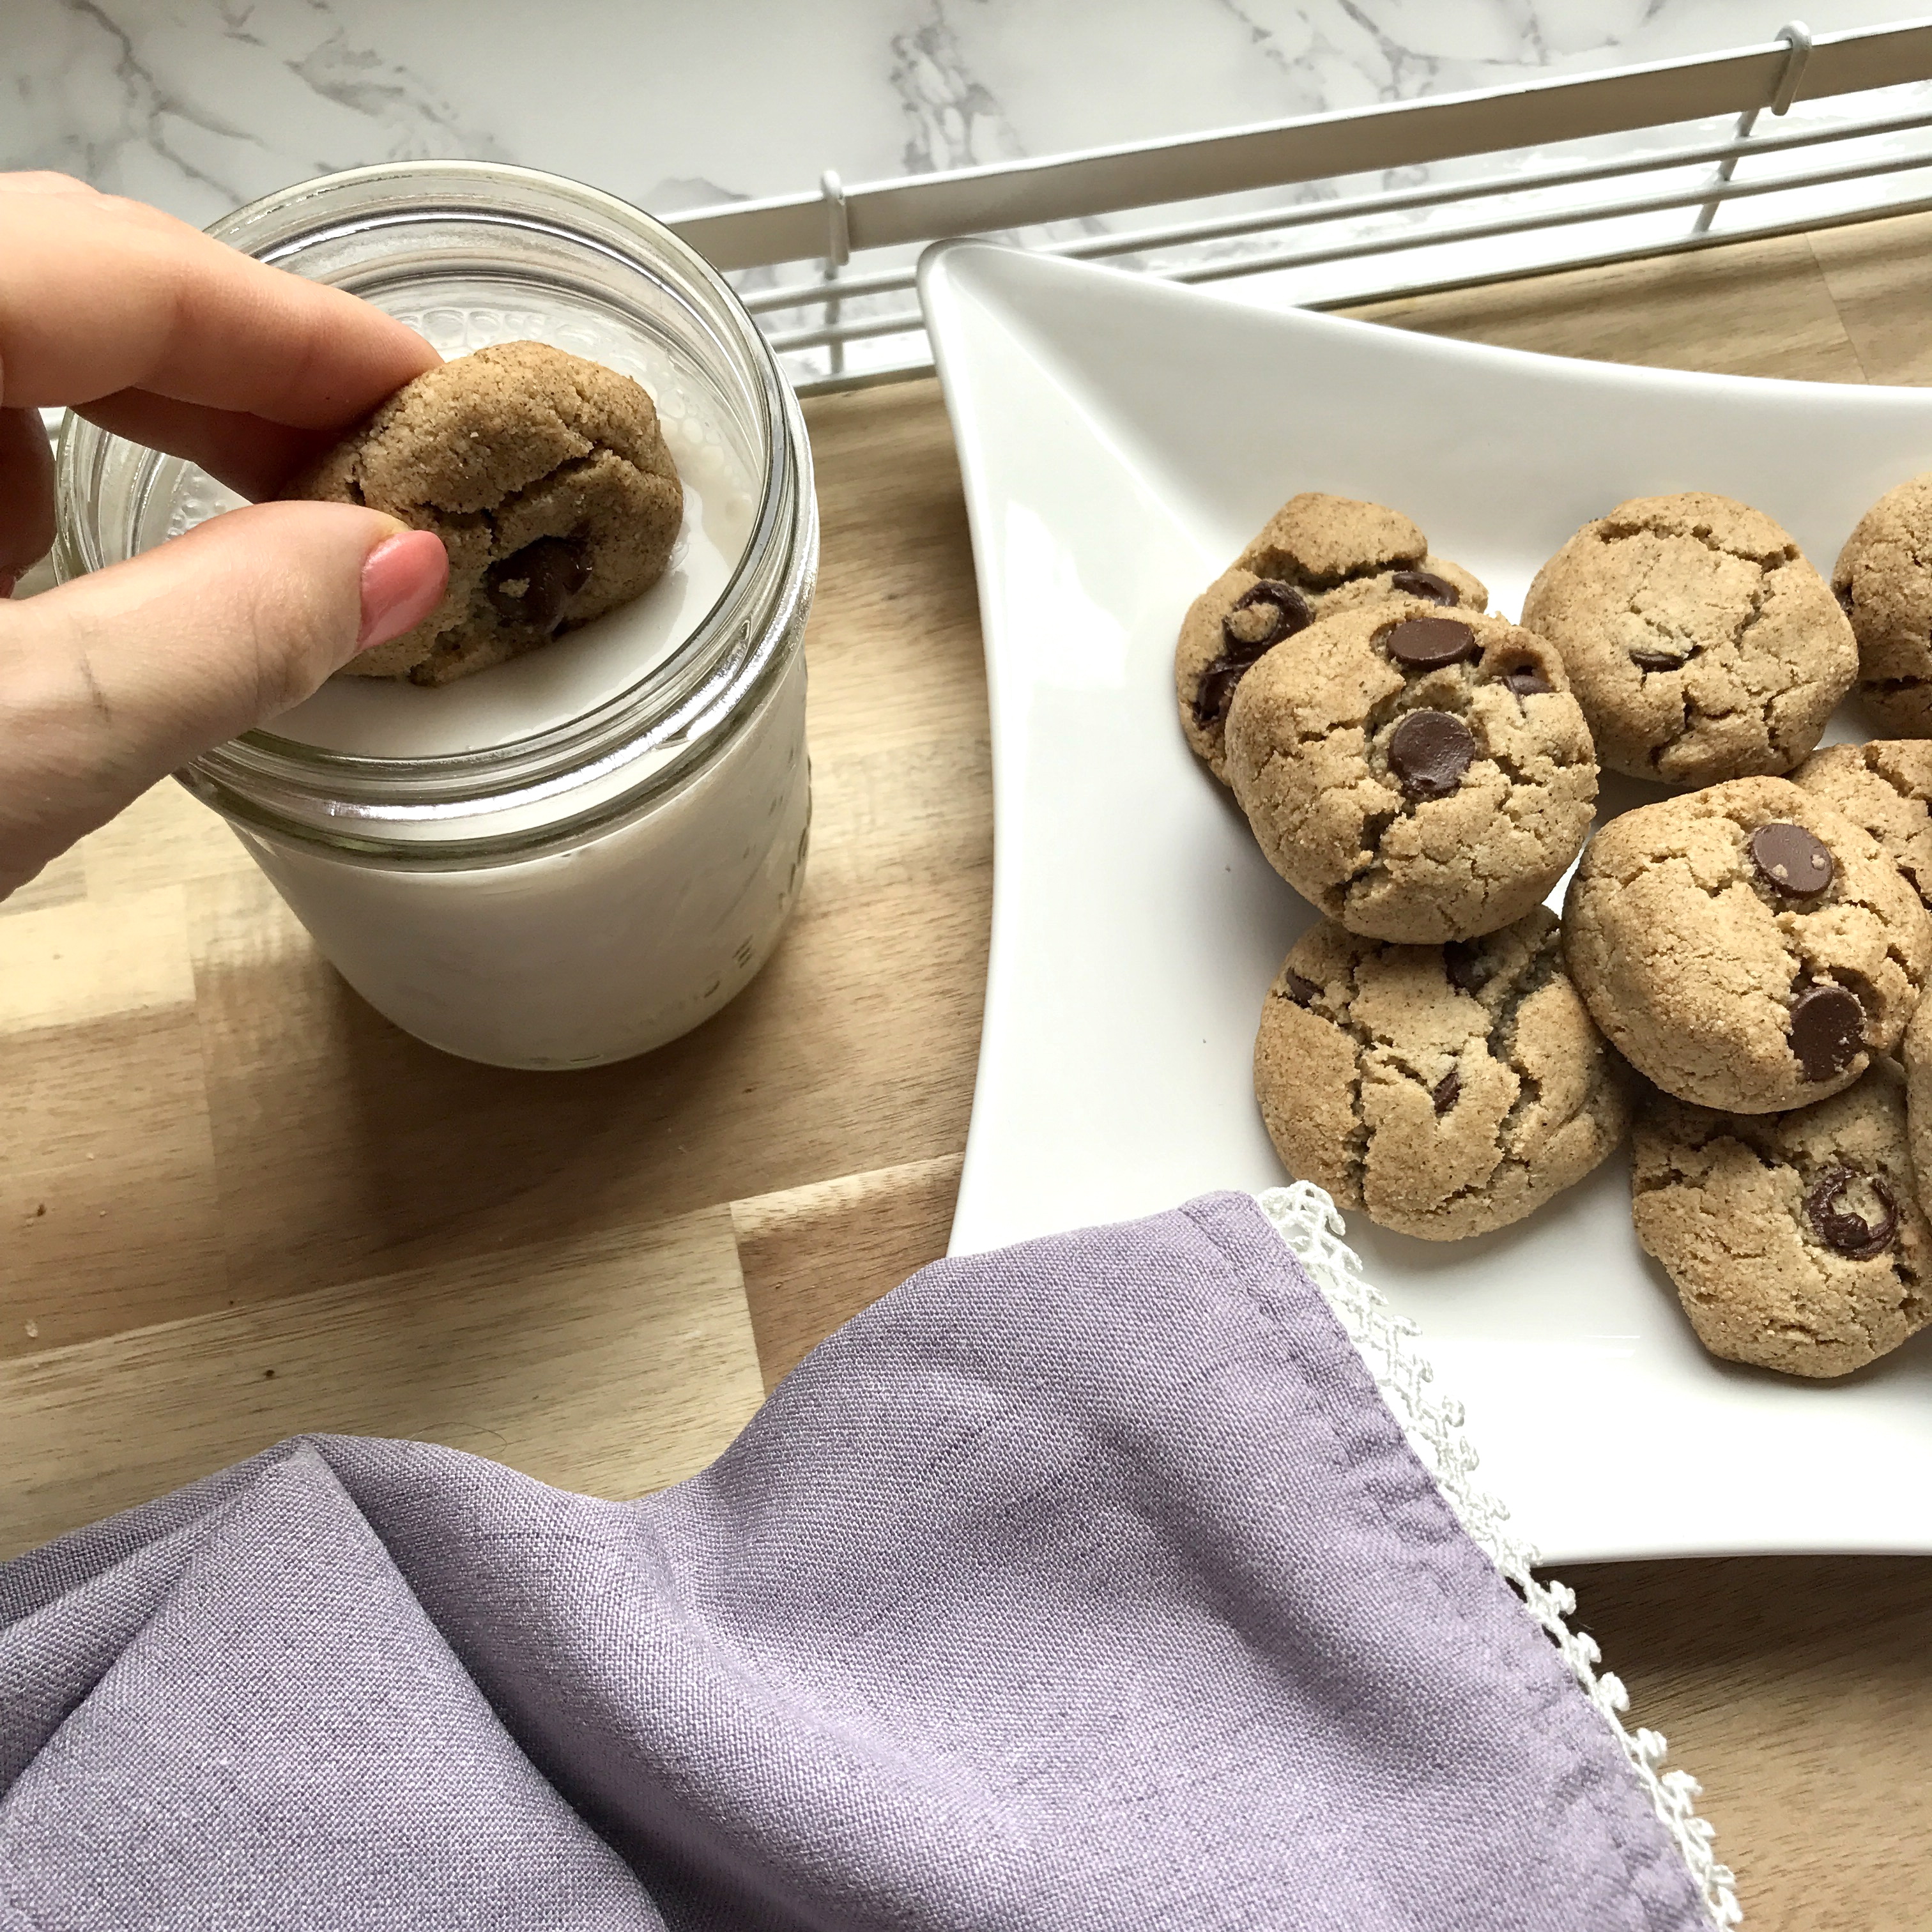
x=604, y=950
x=615, y=940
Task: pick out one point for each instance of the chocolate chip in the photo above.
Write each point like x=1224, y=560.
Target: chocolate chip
x=1216, y=690
x=1428, y=643
x=1428, y=752
x=1790, y=860
x=532, y=585
x=1656, y=660
x=1463, y=964
x=1827, y=1030
x=1292, y=612
x=1446, y=1090
x=1840, y=1228
x=1301, y=991
x=1426, y=584
x=1525, y=680
x=1843, y=593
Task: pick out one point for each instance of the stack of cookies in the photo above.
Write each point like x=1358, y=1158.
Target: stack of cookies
x=1739, y=965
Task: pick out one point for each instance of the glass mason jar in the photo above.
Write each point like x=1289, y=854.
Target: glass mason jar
x=581, y=854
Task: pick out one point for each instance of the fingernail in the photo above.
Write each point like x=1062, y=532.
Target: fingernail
x=402, y=581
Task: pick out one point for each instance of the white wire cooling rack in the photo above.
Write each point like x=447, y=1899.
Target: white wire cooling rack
x=1389, y=200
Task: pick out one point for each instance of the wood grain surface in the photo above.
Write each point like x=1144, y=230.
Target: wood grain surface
x=234, y=1203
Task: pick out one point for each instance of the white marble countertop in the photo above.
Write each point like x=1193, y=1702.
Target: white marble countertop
x=199, y=105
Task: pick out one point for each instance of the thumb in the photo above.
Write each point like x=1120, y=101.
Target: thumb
x=120, y=677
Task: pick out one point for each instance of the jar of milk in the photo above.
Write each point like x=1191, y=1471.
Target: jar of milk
x=580, y=854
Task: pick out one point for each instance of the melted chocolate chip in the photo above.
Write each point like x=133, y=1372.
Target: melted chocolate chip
x=1656, y=660
x=1428, y=643
x=1790, y=860
x=1292, y=613
x=1827, y=1030
x=1840, y=1229
x=1525, y=680
x=1428, y=752
x=1301, y=990
x=1216, y=690
x=1462, y=964
x=1446, y=1090
x=1426, y=584
x=532, y=585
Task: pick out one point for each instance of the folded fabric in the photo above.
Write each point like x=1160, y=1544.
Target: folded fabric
x=1085, y=1585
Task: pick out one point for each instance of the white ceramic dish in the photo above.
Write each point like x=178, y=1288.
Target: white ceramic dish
x=1121, y=439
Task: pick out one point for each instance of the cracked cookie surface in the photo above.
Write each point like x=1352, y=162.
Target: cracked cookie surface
x=1883, y=580
x=1333, y=554
x=548, y=480
x=1325, y=744
x=1796, y=1241
x=1728, y=962
x=1443, y=1090
x=1885, y=786
x=1700, y=643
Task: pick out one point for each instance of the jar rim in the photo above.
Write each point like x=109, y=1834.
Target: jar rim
x=667, y=718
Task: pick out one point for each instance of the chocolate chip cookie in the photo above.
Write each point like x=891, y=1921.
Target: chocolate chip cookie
x=1317, y=555
x=1444, y=1089
x=1420, y=776
x=1883, y=579
x=1699, y=643
x=1914, y=1053
x=1796, y=1241
x=546, y=478
x=1746, y=947
x=1885, y=787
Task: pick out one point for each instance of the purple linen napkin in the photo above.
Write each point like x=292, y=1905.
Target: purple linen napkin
x=1086, y=1585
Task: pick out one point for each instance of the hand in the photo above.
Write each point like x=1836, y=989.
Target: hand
x=155, y=331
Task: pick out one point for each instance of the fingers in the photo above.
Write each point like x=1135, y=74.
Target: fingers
x=26, y=492
x=113, y=681
x=171, y=338
x=101, y=296
x=247, y=453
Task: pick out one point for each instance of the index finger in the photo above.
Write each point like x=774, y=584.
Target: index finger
x=102, y=295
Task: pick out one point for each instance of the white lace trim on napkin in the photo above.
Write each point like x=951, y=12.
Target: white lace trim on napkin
x=1306, y=1219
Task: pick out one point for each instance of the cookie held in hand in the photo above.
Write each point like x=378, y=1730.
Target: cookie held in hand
x=548, y=480
x=1443, y=1089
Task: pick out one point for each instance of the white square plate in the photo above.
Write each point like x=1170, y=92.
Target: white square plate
x=1120, y=440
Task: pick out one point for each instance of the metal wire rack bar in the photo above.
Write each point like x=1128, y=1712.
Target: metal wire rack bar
x=1648, y=204
x=1711, y=197
x=830, y=227
x=1149, y=240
